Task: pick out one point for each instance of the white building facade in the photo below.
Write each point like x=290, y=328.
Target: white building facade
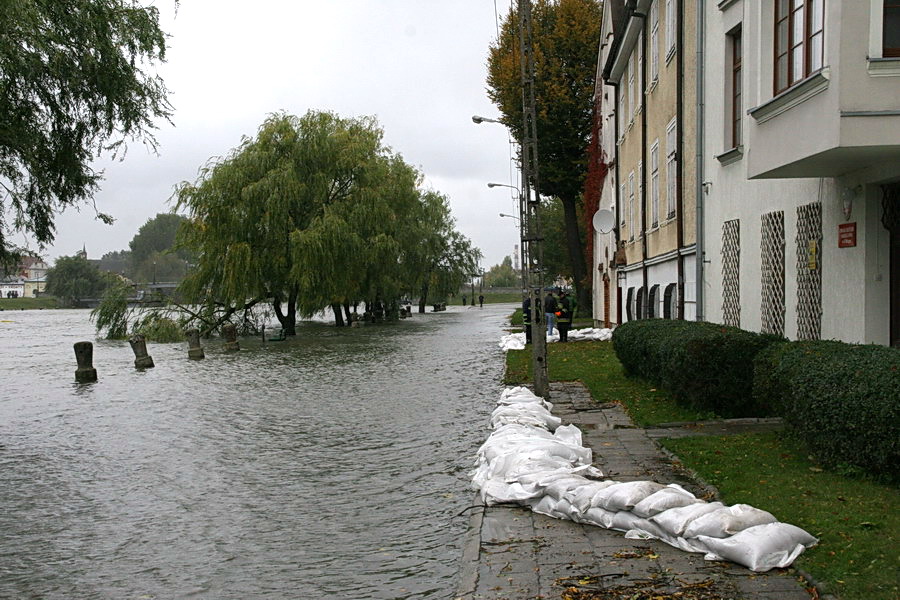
x=800, y=139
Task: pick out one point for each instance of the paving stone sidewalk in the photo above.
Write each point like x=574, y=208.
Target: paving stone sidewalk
x=511, y=553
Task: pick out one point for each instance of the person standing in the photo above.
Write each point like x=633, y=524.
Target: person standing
x=550, y=308
x=480, y=300
x=564, y=316
x=526, y=318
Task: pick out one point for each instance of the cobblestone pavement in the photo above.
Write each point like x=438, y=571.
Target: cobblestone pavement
x=511, y=553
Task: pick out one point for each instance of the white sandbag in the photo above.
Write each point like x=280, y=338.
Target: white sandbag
x=532, y=414
x=518, y=394
x=761, y=547
x=558, y=488
x=671, y=496
x=675, y=520
x=569, y=434
x=581, y=497
x=624, y=520
x=625, y=495
x=728, y=521
x=644, y=529
x=599, y=517
x=558, y=509
x=496, y=491
x=512, y=341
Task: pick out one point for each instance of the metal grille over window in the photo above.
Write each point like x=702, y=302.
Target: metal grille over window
x=731, y=269
x=773, y=272
x=809, y=271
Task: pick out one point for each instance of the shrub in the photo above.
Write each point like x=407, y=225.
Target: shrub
x=159, y=328
x=842, y=400
x=706, y=366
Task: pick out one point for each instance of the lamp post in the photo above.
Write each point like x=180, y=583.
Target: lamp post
x=479, y=120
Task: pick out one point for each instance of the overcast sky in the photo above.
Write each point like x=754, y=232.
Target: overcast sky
x=419, y=66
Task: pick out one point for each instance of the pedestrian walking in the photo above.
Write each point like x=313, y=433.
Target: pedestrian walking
x=464, y=299
x=550, y=308
x=480, y=300
x=526, y=318
x=564, y=316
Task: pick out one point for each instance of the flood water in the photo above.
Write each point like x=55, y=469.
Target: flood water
x=330, y=465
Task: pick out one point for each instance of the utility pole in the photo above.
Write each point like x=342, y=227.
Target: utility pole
x=530, y=207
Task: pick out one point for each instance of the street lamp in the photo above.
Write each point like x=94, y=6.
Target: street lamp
x=479, y=120
x=510, y=216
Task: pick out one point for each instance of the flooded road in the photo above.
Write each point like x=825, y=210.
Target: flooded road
x=330, y=465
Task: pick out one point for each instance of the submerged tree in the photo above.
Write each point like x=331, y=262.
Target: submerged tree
x=565, y=36
x=313, y=212
x=74, y=82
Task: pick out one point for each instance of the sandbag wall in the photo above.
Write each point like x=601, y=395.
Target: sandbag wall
x=532, y=460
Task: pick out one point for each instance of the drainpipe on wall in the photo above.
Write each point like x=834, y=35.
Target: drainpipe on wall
x=643, y=100
x=701, y=109
x=616, y=232
x=679, y=165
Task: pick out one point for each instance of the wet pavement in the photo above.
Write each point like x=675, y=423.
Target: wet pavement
x=511, y=553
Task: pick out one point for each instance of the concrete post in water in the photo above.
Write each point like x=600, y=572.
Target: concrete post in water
x=142, y=360
x=229, y=331
x=84, y=354
x=195, y=352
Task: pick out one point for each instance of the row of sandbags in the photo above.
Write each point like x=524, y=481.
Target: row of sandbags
x=516, y=341
x=532, y=460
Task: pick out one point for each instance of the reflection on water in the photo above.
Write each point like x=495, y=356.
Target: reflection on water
x=330, y=464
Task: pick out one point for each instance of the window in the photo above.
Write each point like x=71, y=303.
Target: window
x=640, y=199
x=639, y=75
x=670, y=302
x=640, y=308
x=631, y=205
x=671, y=24
x=736, y=89
x=621, y=109
x=799, y=40
x=629, y=304
x=890, y=33
x=631, y=106
x=671, y=167
x=654, y=41
x=652, y=304
x=622, y=200
x=654, y=184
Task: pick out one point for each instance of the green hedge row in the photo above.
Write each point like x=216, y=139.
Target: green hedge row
x=704, y=365
x=842, y=400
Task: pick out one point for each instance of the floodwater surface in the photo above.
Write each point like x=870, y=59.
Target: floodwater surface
x=329, y=465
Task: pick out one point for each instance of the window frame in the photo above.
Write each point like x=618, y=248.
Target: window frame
x=737, y=87
x=654, y=41
x=631, y=206
x=886, y=51
x=654, y=184
x=671, y=167
x=671, y=28
x=799, y=38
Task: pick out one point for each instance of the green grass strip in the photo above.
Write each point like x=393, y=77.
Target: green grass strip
x=596, y=366
x=856, y=520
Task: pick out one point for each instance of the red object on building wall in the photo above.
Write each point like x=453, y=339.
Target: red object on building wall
x=846, y=235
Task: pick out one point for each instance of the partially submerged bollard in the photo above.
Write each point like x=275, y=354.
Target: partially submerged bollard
x=142, y=360
x=195, y=352
x=84, y=355
x=229, y=331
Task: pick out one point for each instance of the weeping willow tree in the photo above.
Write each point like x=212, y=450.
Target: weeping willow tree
x=313, y=212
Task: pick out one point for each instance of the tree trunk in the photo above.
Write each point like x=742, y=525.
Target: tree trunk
x=338, y=317
x=347, y=316
x=576, y=254
x=288, y=320
x=423, y=297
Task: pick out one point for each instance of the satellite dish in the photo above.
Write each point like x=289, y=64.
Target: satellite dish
x=603, y=221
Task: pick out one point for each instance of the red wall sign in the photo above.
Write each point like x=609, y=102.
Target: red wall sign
x=846, y=235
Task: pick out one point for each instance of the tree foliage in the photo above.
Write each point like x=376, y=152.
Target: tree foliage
x=565, y=36
x=73, y=83
x=313, y=212
x=72, y=278
x=502, y=275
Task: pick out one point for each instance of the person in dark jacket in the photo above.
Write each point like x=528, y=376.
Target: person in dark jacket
x=550, y=308
x=564, y=316
x=526, y=318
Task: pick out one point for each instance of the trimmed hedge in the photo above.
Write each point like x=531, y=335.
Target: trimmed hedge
x=705, y=366
x=842, y=400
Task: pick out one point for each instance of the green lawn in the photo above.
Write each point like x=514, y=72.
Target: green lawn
x=856, y=520
x=595, y=364
x=27, y=303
